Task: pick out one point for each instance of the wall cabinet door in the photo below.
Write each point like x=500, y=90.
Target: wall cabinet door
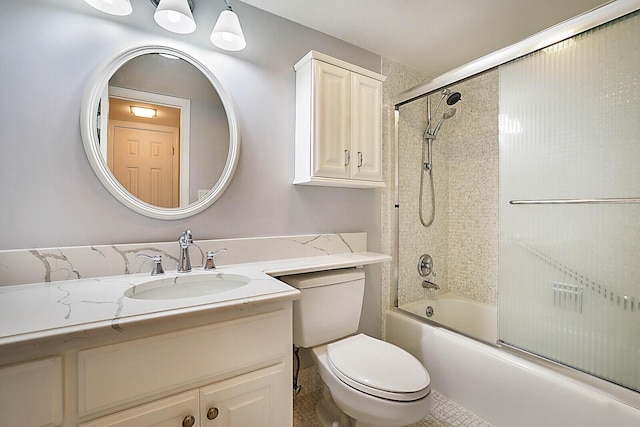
x=366, y=128
x=332, y=111
x=256, y=399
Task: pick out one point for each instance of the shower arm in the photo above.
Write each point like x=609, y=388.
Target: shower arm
x=428, y=136
x=445, y=93
x=428, y=115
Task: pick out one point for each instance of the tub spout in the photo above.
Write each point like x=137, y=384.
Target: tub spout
x=430, y=285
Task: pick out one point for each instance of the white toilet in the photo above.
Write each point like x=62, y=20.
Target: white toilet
x=367, y=382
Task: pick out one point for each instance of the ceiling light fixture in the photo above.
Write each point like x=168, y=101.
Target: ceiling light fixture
x=227, y=33
x=112, y=7
x=149, y=113
x=175, y=15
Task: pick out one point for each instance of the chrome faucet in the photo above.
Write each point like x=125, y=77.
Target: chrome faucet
x=184, y=262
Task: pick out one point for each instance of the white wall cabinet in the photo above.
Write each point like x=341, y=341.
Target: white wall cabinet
x=338, y=138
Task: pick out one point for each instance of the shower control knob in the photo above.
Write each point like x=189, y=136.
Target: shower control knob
x=425, y=265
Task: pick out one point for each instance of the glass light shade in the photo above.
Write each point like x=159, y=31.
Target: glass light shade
x=227, y=33
x=149, y=113
x=175, y=16
x=112, y=7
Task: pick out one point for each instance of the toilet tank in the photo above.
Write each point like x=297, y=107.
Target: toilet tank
x=329, y=306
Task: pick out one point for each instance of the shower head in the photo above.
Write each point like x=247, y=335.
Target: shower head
x=447, y=115
x=453, y=98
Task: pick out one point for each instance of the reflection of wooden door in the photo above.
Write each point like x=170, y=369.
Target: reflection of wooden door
x=144, y=159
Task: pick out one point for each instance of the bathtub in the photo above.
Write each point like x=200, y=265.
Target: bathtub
x=464, y=315
x=507, y=390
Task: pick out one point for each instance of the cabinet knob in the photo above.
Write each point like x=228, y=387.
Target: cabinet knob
x=359, y=159
x=347, y=157
x=212, y=413
x=189, y=421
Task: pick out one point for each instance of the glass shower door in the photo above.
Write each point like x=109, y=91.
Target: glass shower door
x=569, y=277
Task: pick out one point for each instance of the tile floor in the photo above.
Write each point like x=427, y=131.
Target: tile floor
x=445, y=413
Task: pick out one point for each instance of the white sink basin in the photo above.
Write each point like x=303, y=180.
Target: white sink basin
x=186, y=286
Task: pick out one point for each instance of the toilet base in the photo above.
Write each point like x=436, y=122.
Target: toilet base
x=328, y=412
x=330, y=415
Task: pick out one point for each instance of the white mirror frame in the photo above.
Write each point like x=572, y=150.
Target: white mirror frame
x=88, y=126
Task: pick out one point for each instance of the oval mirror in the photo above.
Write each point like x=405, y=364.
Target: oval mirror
x=160, y=132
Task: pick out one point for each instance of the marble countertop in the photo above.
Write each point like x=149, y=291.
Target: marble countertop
x=50, y=309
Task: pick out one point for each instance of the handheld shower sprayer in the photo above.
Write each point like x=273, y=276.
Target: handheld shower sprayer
x=447, y=115
x=428, y=137
x=452, y=99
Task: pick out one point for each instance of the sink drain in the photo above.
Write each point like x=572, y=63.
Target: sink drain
x=429, y=311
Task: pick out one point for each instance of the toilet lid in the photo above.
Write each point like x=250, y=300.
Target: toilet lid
x=378, y=368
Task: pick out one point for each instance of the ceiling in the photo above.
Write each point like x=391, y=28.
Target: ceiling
x=432, y=36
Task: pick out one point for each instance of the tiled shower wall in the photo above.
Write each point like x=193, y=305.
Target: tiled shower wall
x=473, y=190
x=463, y=240
x=399, y=78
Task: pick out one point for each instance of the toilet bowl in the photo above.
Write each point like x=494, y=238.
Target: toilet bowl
x=373, y=382
x=367, y=382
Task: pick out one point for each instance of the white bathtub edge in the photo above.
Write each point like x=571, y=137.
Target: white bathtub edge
x=501, y=387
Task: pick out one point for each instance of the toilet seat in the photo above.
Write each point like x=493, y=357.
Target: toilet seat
x=378, y=368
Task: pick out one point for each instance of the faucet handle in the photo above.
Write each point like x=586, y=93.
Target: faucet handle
x=209, y=264
x=157, y=263
x=186, y=238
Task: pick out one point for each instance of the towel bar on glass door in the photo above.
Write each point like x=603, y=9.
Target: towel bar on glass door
x=576, y=201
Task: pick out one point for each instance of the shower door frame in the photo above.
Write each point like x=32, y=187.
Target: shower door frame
x=562, y=31
x=565, y=30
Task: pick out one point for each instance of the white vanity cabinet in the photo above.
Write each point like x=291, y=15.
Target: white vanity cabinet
x=253, y=399
x=239, y=372
x=338, y=137
x=174, y=411
x=247, y=400
x=31, y=393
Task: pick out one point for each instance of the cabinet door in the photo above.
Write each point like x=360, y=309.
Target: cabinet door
x=31, y=393
x=175, y=411
x=331, y=121
x=123, y=373
x=366, y=128
x=257, y=399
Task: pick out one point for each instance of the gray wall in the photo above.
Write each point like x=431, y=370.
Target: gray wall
x=49, y=194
